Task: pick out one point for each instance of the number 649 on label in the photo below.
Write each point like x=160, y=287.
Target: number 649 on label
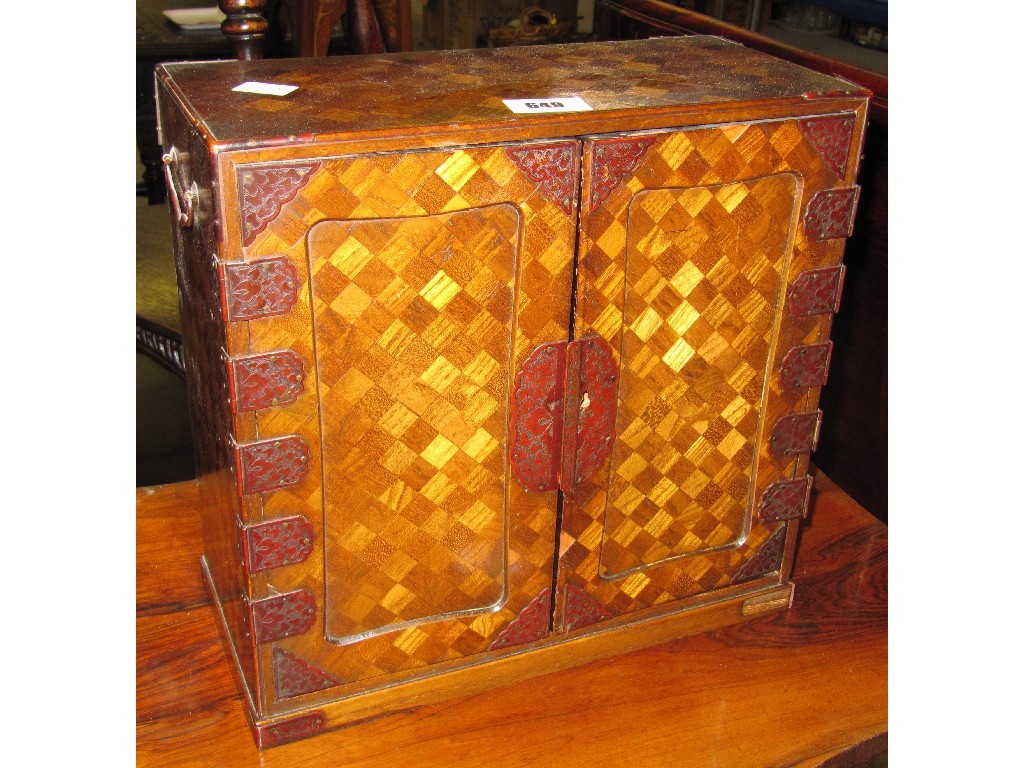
x=547, y=104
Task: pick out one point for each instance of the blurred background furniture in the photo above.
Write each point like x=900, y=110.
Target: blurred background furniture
x=253, y=29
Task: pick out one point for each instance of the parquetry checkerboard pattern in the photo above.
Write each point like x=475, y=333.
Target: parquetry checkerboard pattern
x=421, y=308
x=378, y=256
x=424, y=281
x=704, y=274
x=684, y=268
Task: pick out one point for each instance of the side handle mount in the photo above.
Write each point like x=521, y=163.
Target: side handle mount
x=182, y=204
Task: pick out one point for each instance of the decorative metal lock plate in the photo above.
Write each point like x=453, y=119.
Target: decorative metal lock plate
x=563, y=413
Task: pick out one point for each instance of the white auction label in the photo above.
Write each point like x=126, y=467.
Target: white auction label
x=269, y=89
x=549, y=104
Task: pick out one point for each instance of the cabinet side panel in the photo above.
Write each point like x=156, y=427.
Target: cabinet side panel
x=203, y=341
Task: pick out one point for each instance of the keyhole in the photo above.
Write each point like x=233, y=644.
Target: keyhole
x=585, y=403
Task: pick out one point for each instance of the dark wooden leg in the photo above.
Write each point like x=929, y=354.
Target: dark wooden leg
x=245, y=26
x=312, y=22
x=364, y=35
x=152, y=177
x=152, y=186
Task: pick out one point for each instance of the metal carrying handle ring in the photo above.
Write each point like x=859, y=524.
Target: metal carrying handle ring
x=184, y=213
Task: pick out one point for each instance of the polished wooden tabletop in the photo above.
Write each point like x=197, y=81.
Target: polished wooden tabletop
x=802, y=688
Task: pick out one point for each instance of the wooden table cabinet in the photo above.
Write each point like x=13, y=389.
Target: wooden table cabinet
x=481, y=394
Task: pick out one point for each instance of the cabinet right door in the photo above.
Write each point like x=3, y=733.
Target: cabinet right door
x=707, y=270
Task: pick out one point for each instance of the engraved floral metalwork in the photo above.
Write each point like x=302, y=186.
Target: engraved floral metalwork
x=551, y=166
x=277, y=543
x=795, y=434
x=294, y=676
x=591, y=363
x=261, y=288
x=817, y=291
x=767, y=560
x=614, y=159
x=530, y=625
x=289, y=730
x=264, y=191
x=786, y=500
x=272, y=464
x=280, y=616
x=581, y=609
x=806, y=366
x=830, y=214
x=536, y=418
x=831, y=136
x=263, y=381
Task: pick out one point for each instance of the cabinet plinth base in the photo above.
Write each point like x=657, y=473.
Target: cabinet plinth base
x=505, y=667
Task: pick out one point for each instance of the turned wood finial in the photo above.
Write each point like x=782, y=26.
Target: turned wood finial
x=245, y=26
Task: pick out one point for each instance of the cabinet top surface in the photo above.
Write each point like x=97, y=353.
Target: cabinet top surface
x=351, y=96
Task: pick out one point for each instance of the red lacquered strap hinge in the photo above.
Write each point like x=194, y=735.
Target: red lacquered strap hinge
x=786, y=500
x=276, y=543
x=265, y=381
x=269, y=465
x=817, y=291
x=806, y=366
x=830, y=214
x=281, y=616
x=796, y=434
x=254, y=289
x=563, y=413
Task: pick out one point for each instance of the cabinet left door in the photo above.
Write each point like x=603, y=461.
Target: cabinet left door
x=379, y=309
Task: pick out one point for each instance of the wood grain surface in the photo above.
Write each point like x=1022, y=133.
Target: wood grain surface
x=629, y=19
x=401, y=94
x=802, y=688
